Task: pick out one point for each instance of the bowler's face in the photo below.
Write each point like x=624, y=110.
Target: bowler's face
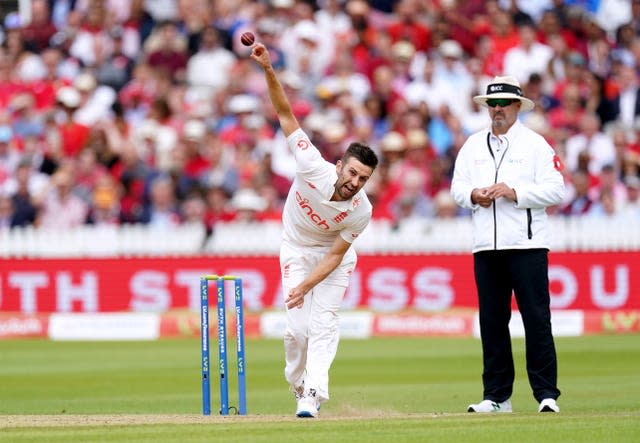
x=503, y=117
x=352, y=176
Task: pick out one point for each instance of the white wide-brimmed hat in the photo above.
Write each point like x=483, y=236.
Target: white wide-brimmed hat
x=505, y=87
x=248, y=200
x=68, y=96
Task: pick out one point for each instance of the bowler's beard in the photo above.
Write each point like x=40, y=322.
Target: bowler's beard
x=342, y=191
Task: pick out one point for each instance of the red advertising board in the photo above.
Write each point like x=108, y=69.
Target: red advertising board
x=382, y=283
x=20, y=326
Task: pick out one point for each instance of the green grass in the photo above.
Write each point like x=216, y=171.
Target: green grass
x=406, y=390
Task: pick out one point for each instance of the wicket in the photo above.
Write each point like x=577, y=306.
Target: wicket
x=222, y=344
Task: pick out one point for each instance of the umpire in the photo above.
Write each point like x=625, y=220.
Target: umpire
x=508, y=175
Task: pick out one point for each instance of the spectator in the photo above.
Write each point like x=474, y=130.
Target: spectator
x=222, y=173
x=38, y=32
x=400, y=61
x=106, y=140
x=248, y=206
x=627, y=153
x=190, y=163
x=92, y=44
x=411, y=201
x=369, y=47
x=529, y=56
x=501, y=37
x=572, y=72
x=87, y=171
x=423, y=90
x=445, y=206
x=609, y=183
x=594, y=142
x=6, y=212
x=612, y=14
x=537, y=90
x=218, y=207
x=596, y=46
x=627, y=100
x=344, y=77
x=406, y=25
x=270, y=29
x=580, y=202
x=603, y=207
x=463, y=19
x=418, y=155
x=96, y=100
x=306, y=53
x=27, y=65
x=59, y=207
x=155, y=138
x=450, y=74
x=105, y=202
x=116, y=69
x=243, y=120
x=9, y=83
x=26, y=184
x=132, y=172
x=9, y=155
x=630, y=209
x=331, y=19
x=565, y=118
x=73, y=134
x=56, y=72
x=635, y=16
x=211, y=56
x=193, y=209
x=550, y=25
x=161, y=210
x=166, y=48
x=598, y=98
x=26, y=121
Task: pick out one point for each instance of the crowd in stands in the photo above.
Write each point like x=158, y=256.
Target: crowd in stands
x=151, y=111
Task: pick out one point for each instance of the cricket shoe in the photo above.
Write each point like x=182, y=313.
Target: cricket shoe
x=548, y=405
x=491, y=406
x=298, y=392
x=308, y=405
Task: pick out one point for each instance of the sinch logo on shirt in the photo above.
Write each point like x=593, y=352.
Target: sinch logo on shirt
x=313, y=216
x=302, y=144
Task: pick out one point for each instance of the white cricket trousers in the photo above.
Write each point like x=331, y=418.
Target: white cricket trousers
x=312, y=334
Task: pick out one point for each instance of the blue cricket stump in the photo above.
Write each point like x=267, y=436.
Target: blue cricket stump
x=222, y=345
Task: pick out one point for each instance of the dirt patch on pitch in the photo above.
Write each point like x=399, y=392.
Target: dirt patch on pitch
x=34, y=421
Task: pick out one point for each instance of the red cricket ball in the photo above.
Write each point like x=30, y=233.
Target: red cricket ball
x=247, y=38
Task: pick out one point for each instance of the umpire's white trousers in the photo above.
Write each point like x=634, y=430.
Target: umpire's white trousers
x=312, y=334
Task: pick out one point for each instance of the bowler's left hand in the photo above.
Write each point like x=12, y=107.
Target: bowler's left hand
x=295, y=298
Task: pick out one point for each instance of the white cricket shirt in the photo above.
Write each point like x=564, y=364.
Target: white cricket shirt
x=309, y=218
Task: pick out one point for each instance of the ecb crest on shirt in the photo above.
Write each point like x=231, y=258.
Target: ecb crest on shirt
x=338, y=218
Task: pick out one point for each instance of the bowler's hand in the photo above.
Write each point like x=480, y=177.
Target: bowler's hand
x=295, y=298
x=480, y=196
x=501, y=190
x=260, y=54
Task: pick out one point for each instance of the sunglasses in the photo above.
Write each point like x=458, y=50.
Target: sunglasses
x=502, y=102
